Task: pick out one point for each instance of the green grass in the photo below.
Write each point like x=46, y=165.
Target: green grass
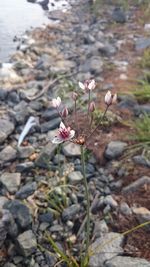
x=123, y=3
x=142, y=94
x=145, y=61
x=142, y=138
x=142, y=127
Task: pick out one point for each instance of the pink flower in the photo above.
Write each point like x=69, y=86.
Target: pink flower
x=110, y=99
x=88, y=85
x=64, y=134
x=56, y=102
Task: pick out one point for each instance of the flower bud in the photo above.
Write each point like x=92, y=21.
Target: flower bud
x=88, y=85
x=92, y=106
x=108, y=98
x=64, y=113
x=74, y=96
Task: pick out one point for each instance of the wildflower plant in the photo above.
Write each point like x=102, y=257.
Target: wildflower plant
x=66, y=133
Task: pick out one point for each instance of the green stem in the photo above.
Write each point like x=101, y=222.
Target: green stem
x=91, y=121
x=89, y=100
x=59, y=164
x=75, y=115
x=88, y=203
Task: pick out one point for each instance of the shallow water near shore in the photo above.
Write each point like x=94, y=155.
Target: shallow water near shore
x=17, y=16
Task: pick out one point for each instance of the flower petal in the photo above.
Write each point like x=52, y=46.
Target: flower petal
x=62, y=125
x=92, y=85
x=54, y=103
x=72, y=134
x=108, y=98
x=58, y=101
x=114, y=100
x=82, y=86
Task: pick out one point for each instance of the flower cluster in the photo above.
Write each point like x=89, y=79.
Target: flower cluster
x=65, y=133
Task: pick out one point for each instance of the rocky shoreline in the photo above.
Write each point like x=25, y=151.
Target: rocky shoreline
x=38, y=198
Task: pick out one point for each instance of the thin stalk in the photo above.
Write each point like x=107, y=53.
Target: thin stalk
x=89, y=103
x=75, y=116
x=88, y=203
x=57, y=250
x=91, y=121
x=60, y=114
x=104, y=114
x=59, y=164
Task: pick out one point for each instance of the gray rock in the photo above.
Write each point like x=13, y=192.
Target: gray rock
x=26, y=190
x=127, y=102
x=107, y=50
x=27, y=243
x=17, y=260
x=141, y=160
x=6, y=128
x=50, y=125
x=25, y=152
x=3, y=200
x=7, y=154
x=9, y=264
x=46, y=155
x=4, y=221
x=104, y=250
x=59, y=158
x=100, y=228
x=43, y=62
x=116, y=185
x=94, y=65
x=13, y=97
x=135, y=185
x=119, y=15
x=71, y=150
x=46, y=217
x=115, y=149
x=3, y=94
x=11, y=181
x=108, y=200
x=20, y=213
x=70, y=212
x=56, y=228
x=25, y=166
x=142, y=43
x=89, y=39
x=50, y=114
x=22, y=111
x=37, y=105
x=124, y=209
x=123, y=261
x=75, y=177
x=141, y=109
x=142, y=214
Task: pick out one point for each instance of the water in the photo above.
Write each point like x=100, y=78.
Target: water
x=17, y=16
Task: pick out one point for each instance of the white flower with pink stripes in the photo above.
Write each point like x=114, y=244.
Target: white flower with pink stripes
x=64, y=134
